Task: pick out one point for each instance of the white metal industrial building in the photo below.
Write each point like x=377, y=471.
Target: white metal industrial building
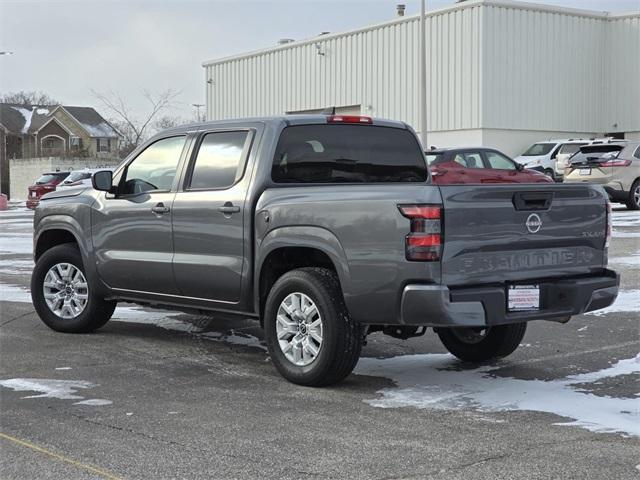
x=500, y=73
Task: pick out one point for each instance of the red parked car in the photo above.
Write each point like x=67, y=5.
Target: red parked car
x=45, y=184
x=478, y=165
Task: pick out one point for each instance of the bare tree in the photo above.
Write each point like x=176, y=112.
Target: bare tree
x=168, y=121
x=134, y=129
x=27, y=98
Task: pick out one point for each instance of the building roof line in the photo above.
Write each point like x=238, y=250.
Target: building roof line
x=518, y=5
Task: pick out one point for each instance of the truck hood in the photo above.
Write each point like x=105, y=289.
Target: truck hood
x=530, y=160
x=67, y=192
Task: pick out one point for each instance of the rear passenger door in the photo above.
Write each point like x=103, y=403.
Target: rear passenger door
x=208, y=217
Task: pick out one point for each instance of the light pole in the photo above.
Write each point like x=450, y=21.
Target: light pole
x=423, y=76
x=198, y=106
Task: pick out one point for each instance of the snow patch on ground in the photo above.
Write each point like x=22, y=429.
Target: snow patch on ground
x=16, y=245
x=95, y=402
x=633, y=259
x=627, y=301
x=15, y=266
x=168, y=321
x=626, y=219
x=621, y=234
x=48, y=388
x=14, y=293
x=434, y=381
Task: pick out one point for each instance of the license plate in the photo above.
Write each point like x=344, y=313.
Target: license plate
x=33, y=194
x=524, y=297
x=585, y=171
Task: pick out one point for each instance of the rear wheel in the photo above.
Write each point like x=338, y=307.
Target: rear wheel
x=482, y=344
x=633, y=202
x=62, y=295
x=311, y=338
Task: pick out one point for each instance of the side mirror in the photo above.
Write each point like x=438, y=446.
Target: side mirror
x=103, y=181
x=519, y=167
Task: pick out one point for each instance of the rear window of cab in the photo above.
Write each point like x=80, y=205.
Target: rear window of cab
x=348, y=154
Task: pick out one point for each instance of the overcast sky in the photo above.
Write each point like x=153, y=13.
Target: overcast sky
x=66, y=48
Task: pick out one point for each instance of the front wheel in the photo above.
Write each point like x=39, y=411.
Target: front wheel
x=311, y=338
x=482, y=343
x=62, y=295
x=549, y=173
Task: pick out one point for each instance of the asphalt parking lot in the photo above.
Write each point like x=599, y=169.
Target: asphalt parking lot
x=159, y=394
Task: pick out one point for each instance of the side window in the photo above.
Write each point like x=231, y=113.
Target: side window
x=154, y=168
x=469, y=160
x=219, y=160
x=637, y=154
x=499, y=161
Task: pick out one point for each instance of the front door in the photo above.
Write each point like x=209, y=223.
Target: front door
x=208, y=218
x=131, y=229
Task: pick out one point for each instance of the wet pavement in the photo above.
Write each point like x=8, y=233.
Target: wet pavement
x=158, y=394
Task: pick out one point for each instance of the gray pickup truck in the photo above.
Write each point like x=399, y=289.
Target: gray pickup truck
x=326, y=229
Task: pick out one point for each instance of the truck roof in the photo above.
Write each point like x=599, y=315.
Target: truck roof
x=292, y=119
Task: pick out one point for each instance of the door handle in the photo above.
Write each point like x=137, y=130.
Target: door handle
x=160, y=209
x=228, y=208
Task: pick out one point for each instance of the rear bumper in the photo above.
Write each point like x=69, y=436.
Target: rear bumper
x=439, y=306
x=616, y=191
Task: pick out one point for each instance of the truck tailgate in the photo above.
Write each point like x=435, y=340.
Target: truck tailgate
x=497, y=233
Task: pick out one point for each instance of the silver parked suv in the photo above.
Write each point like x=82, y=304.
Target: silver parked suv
x=615, y=166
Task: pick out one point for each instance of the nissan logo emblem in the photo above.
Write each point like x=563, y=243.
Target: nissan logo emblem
x=533, y=223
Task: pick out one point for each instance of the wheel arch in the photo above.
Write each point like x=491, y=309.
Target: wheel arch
x=286, y=248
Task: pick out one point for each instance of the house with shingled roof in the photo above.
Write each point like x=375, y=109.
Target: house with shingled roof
x=56, y=131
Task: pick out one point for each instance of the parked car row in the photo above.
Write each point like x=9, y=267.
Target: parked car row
x=612, y=163
x=52, y=181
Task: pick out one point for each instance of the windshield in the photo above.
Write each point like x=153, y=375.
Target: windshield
x=570, y=148
x=347, y=154
x=50, y=177
x=538, y=149
x=77, y=176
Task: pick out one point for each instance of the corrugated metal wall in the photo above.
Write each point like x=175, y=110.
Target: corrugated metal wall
x=375, y=68
x=492, y=64
x=543, y=70
x=622, y=74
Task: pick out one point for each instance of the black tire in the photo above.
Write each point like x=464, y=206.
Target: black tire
x=341, y=337
x=499, y=341
x=96, y=312
x=633, y=201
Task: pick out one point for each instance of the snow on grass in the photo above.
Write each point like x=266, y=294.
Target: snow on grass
x=434, y=381
x=627, y=301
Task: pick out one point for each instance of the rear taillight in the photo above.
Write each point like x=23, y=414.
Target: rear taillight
x=425, y=238
x=616, y=163
x=349, y=119
x=609, y=225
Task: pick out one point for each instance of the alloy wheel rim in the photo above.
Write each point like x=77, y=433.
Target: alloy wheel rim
x=65, y=290
x=471, y=335
x=636, y=195
x=299, y=329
